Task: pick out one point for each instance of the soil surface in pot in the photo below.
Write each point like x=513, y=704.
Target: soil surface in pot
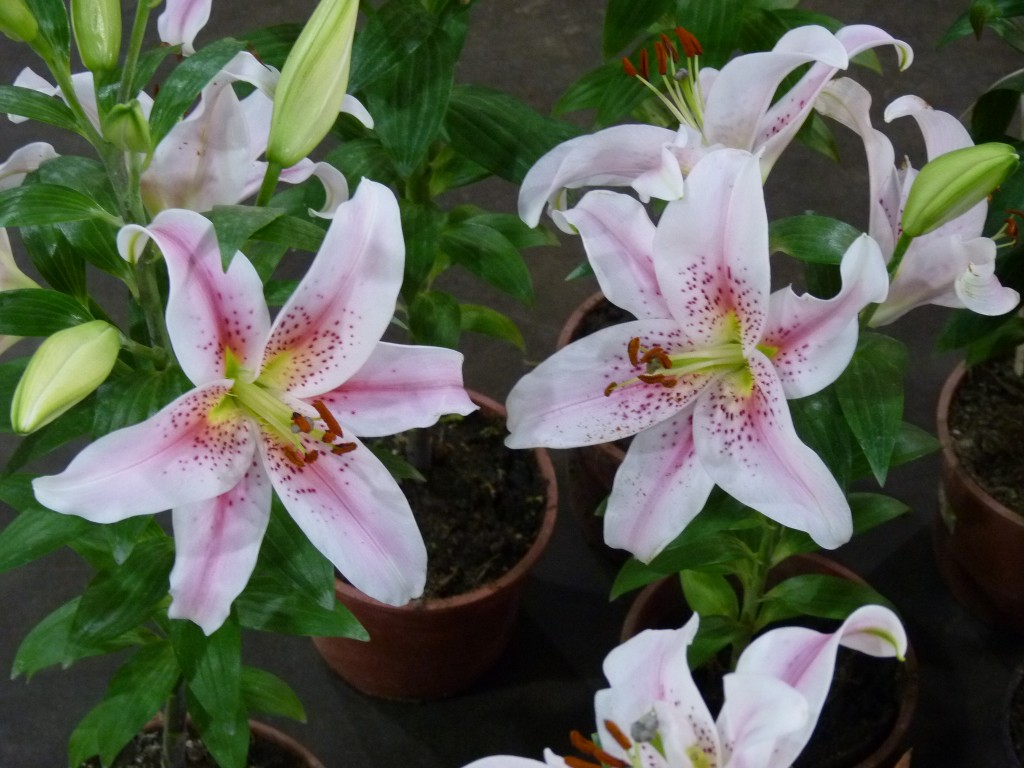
x=144, y=752
x=1015, y=716
x=986, y=418
x=481, y=507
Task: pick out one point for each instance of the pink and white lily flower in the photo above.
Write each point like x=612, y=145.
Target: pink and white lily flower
x=181, y=21
x=728, y=108
x=952, y=266
x=653, y=716
x=276, y=405
x=702, y=377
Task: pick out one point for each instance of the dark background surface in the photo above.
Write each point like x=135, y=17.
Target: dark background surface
x=544, y=685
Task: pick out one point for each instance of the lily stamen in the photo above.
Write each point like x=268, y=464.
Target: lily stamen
x=328, y=417
x=616, y=733
x=341, y=448
x=293, y=456
x=589, y=748
x=301, y=424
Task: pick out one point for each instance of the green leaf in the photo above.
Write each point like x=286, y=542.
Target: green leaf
x=71, y=426
x=136, y=692
x=489, y=322
x=820, y=423
x=364, y=158
x=39, y=312
x=277, y=292
x=226, y=734
x=607, y=90
x=268, y=694
x=266, y=607
x=520, y=234
x=489, y=255
x=120, y=600
x=992, y=114
x=409, y=101
x=814, y=594
x=499, y=132
x=435, y=319
x=714, y=25
x=293, y=232
x=53, y=25
x=36, y=531
x=625, y=20
x=106, y=547
x=390, y=36
x=713, y=634
x=179, y=90
x=870, y=393
x=709, y=594
x=812, y=239
x=421, y=227
x=212, y=665
x=817, y=135
x=10, y=374
x=912, y=443
x=235, y=224
x=46, y=204
x=271, y=45
x=129, y=398
x=16, y=100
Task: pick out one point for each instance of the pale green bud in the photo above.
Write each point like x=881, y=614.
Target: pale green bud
x=97, y=28
x=955, y=182
x=313, y=82
x=127, y=128
x=65, y=370
x=17, y=21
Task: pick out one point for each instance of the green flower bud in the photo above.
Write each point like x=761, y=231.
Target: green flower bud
x=127, y=128
x=313, y=82
x=65, y=369
x=955, y=182
x=17, y=21
x=97, y=28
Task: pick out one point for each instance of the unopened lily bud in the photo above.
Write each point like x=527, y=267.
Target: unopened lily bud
x=127, y=128
x=17, y=21
x=64, y=370
x=313, y=82
x=97, y=28
x=955, y=182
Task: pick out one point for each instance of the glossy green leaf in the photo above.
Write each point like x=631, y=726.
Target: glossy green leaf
x=59, y=264
x=46, y=204
x=52, y=17
x=272, y=44
x=714, y=25
x=709, y=594
x=912, y=443
x=364, y=158
x=268, y=694
x=211, y=665
x=266, y=607
x=390, y=36
x=15, y=100
x=499, y=132
x=870, y=393
x=435, y=319
x=811, y=238
x=73, y=425
x=820, y=595
x=290, y=559
x=10, y=374
x=36, y=531
x=714, y=634
x=179, y=90
x=106, y=547
x=226, y=734
x=39, y=312
x=235, y=224
x=277, y=292
x=421, y=227
x=489, y=322
x=119, y=600
x=607, y=90
x=489, y=255
x=129, y=398
x=514, y=229
x=820, y=423
x=625, y=20
x=293, y=232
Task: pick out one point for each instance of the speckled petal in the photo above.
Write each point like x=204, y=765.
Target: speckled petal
x=746, y=441
x=209, y=311
x=182, y=454
x=658, y=490
x=353, y=511
x=400, y=387
x=216, y=543
x=562, y=403
x=758, y=712
x=618, y=236
x=337, y=314
x=711, y=252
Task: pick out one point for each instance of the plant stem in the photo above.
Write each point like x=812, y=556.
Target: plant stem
x=269, y=183
x=131, y=61
x=752, y=586
x=175, y=728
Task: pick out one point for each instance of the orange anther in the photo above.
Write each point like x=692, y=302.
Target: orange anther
x=691, y=45
x=610, y=388
x=588, y=747
x=293, y=456
x=670, y=47
x=633, y=348
x=327, y=416
x=645, y=70
x=341, y=448
x=616, y=733
x=310, y=457
x=657, y=354
x=627, y=65
x=662, y=54
x=658, y=378
x=302, y=423
x=575, y=762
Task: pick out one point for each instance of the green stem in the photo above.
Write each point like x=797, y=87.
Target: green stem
x=131, y=62
x=175, y=729
x=269, y=184
x=752, y=586
x=902, y=246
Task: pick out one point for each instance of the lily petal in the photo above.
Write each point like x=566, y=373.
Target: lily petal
x=815, y=338
x=659, y=488
x=758, y=711
x=353, y=511
x=210, y=312
x=331, y=323
x=23, y=161
x=333, y=180
x=181, y=21
x=747, y=443
x=350, y=105
x=980, y=290
x=562, y=403
x=188, y=451
x=618, y=236
x=216, y=543
x=400, y=387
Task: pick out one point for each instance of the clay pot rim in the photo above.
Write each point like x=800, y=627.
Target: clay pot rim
x=952, y=461
x=516, y=573
x=264, y=732
x=565, y=337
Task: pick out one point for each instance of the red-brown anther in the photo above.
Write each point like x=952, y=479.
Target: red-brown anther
x=310, y=457
x=633, y=348
x=575, y=762
x=328, y=417
x=610, y=388
x=645, y=70
x=657, y=354
x=341, y=448
x=587, y=747
x=329, y=437
x=627, y=65
x=662, y=54
x=616, y=733
x=670, y=47
x=658, y=378
x=691, y=45
x=301, y=423
x=1012, y=227
x=293, y=456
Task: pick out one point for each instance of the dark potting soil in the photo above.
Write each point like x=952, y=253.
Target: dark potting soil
x=144, y=752
x=1015, y=716
x=986, y=420
x=482, y=504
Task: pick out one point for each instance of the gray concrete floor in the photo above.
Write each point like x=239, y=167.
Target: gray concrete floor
x=543, y=686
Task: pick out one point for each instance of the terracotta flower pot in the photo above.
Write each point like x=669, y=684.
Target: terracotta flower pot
x=979, y=542
x=661, y=606
x=590, y=469
x=433, y=648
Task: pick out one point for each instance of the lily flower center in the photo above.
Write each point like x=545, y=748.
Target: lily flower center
x=668, y=368
x=678, y=87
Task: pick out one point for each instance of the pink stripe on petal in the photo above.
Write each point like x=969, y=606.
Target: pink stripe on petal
x=353, y=511
x=337, y=314
x=216, y=544
x=180, y=455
